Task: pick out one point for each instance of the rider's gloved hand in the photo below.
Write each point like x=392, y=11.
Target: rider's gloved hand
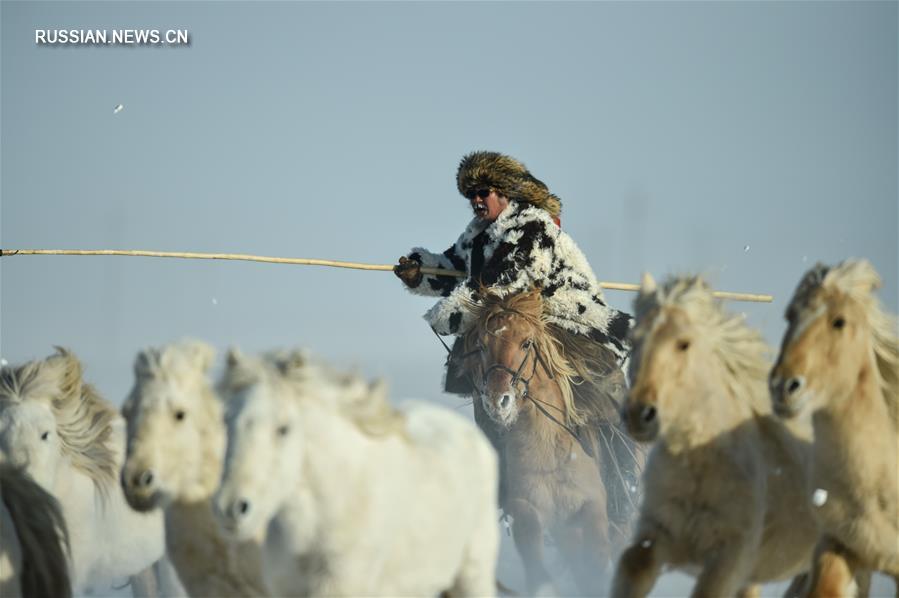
x=409, y=271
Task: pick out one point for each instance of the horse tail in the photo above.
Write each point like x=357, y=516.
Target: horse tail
x=42, y=533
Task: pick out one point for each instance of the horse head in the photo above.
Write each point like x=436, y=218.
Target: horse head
x=507, y=355
x=175, y=427
x=688, y=352
x=50, y=418
x=837, y=335
x=265, y=448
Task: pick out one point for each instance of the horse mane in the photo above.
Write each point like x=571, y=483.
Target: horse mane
x=577, y=363
x=184, y=363
x=741, y=350
x=84, y=420
x=366, y=406
x=857, y=279
x=42, y=532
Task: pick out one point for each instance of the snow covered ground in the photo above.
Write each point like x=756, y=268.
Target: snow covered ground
x=670, y=585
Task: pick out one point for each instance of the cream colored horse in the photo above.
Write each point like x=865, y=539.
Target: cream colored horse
x=72, y=442
x=33, y=539
x=724, y=491
x=839, y=364
x=369, y=500
x=176, y=442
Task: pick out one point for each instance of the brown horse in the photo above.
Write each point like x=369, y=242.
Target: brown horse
x=839, y=365
x=541, y=397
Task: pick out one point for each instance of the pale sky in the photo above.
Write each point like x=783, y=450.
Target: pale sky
x=742, y=140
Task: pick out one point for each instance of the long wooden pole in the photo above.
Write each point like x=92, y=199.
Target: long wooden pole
x=617, y=286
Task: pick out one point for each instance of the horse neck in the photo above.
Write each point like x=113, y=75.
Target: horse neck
x=536, y=428
x=718, y=412
x=213, y=440
x=80, y=500
x=334, y=472
x=208, y=562
x=851, y=418
x=213, y=448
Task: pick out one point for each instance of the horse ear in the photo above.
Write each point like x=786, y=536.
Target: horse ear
x=351, y=385
x=648, y=284
x=200, y=354
x=870, y=274
x=69, y=371
x=294, y=361
x=234, y=357
x=144, y=363
x=377, y=389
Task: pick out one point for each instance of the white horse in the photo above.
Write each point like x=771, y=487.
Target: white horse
x=72, y=443
x=367, y=499
x=33, y=539
x=176, y=443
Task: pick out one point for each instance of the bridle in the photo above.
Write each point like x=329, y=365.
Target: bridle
x=517, y=378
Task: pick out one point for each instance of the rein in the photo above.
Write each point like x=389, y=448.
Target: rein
x=518, y=378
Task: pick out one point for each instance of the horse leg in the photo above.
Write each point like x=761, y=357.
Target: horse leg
x=797, y=587
x=167, y=578
x=751, y=591
x=143, y=584
x=527, y=531
x=863, y=583
x=832, y=570
x=477, y=574
x=638, y=568
x=723, y=574
x=584, y=543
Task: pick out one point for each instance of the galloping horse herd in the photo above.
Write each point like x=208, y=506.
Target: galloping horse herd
x=290, y=477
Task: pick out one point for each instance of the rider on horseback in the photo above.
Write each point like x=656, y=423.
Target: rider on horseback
x=513, y=243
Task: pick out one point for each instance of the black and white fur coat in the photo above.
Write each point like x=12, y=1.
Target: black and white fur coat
x=522, y=248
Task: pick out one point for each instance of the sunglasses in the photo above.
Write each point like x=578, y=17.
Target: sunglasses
x=482, y=193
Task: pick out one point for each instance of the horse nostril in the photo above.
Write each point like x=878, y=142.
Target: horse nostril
x=648, y=413
x=794, y=384
x=144, y=478
x=504, y=401
x=240, y=508
x=774, y=383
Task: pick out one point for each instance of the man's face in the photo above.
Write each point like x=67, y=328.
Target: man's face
x=490, y=207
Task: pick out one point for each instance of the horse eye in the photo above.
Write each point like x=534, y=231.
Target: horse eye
x=839, y=322
x=683, y=345
x=45, y=435
x=283, y=430
x=179, y=415
x=527, y=344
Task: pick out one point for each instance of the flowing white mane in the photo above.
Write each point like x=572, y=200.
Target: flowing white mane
x=302, y=378
x=84, y=420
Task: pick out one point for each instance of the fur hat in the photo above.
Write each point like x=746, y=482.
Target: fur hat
x=508, y=177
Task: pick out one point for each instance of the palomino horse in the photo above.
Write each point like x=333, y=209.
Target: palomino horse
x=839, y=364
x=370, y=500
x=33, y=539
x=724, y=487
x=71, y=442
x=541, y=401
x=176, y=443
